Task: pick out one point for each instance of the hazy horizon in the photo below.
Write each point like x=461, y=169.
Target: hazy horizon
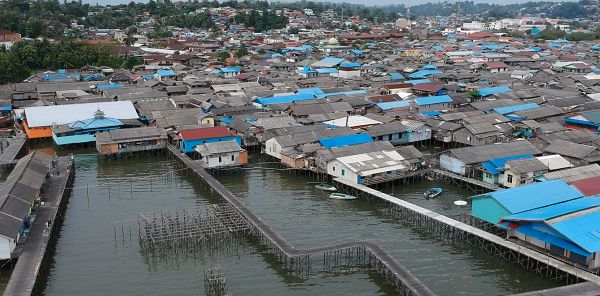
x=365, y=2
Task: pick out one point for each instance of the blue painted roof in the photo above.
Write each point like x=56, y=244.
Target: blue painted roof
x=499, y=162
x=327, y=70
x=533, y=196
x=94, y=123
x=345, y=140
x=165, y=72
x=356, y=52
x=332, y=60
x=431, y=113
x=307, y=70
x=486, y=91
x=284, y=99
x=108, y=86
x=393, y=105
x=515, y=108
x=396, y=76
x=556, y=210
x=417, y=81
x=488, y=166
x=582, y=230
x=429, y=67
x=310, y=91
x=433, y=100
x=230, y=70
x=423, y=73
x=350, y=65
x=147, y=76
x=529, y=230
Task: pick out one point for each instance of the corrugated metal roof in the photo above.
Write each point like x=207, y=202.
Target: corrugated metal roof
x=574, y=174
x=583, y=230
x=529, y=230
x=533, y=196
x=486, y=91
x=205, y=133
x=63, y=114
x=556, y=210
x=393, y=105
x=515, y=108
x=347, y=140
x=588, y=186
x=433, y=100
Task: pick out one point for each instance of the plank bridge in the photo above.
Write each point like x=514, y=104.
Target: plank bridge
x=355, y=253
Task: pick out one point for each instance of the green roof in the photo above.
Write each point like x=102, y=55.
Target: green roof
x=593, y=116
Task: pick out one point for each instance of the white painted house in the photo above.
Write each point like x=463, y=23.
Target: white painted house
x=365, y=168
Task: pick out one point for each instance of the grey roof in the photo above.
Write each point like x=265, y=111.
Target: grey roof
x=570, y=149
x=493, y=118
x=574, y=174
x=526, y=165
x=409, y=152
x=308, y=109
x=21, y=188
x=482, y=128
x=218, y=147
x=275, y=122
x=329, y=154
x=489, y=105
x=478, y=154
x=386, y=129
x=131, y=134
x=540, y=112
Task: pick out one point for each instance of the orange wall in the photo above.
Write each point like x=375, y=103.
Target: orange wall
x=37, y=132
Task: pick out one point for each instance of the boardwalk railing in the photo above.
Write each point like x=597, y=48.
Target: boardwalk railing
x=349, y=253
x=453, y=230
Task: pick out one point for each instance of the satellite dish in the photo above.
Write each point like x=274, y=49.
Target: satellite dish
x=460, y=202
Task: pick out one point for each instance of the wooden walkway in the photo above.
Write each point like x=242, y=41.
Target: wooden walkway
x=432, y=219
x=582, y=289
x=389, y=267
x=27, y=272
x=462, y=180
x=10, y=152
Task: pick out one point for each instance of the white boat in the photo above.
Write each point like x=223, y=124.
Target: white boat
x=432, y=192
x=325, y=187
x=342, y=196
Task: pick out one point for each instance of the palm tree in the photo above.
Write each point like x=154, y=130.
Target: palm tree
x=129, y=40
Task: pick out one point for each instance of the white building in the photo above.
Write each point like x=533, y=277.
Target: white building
x=365, y=168
x=222, y=154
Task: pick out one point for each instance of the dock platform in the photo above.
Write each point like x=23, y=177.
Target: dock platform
x=10, y=152
x=582, y=289
x=462, y=181
x=25, y=277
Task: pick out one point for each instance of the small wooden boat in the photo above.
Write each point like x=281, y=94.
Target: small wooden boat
x=325, y=187
x=342, y=196
x=432, y=192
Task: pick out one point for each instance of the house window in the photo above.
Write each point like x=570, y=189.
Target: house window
x=232, y=157
x=343, y=172
x=333, y=169
x=220, y=159
x=488, y=175
x=509, y=178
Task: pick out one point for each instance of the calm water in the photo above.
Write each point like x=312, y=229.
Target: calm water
x=95, y=255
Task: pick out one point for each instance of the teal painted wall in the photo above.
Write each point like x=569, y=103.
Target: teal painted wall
x=493, y=180
x=487, y=209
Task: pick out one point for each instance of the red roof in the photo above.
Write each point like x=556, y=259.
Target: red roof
x=589, y=186
x=427, y=87
x=496, y=65
x=205, y=133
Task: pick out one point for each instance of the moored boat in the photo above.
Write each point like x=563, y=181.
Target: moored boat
x=342, y=196
x=432, y=192
x=325, y=187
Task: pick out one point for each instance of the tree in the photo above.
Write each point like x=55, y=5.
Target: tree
x=242, y=51
x=222, y=56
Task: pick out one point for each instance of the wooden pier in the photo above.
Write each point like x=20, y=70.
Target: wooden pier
x=343, y=254
x=582, y=289
x=10, y=152
x=456, y=231
x=464, y=182
x=28, y=274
